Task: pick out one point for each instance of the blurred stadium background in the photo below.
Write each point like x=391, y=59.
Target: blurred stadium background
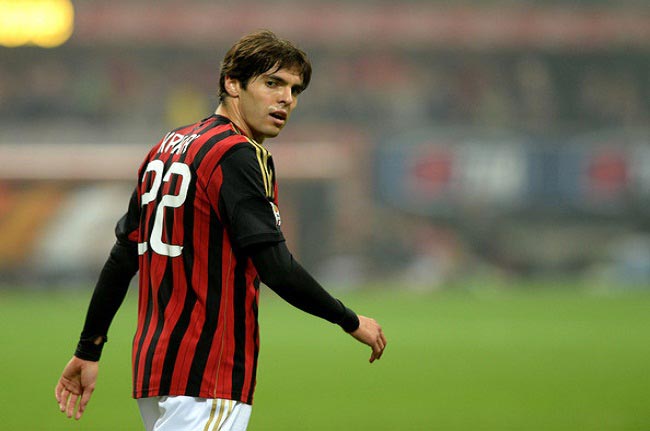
x=458, y=145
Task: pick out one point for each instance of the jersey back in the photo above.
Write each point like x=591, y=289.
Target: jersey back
x=205, y=192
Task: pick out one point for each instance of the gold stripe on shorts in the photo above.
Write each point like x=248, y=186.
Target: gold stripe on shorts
x=217, y=424
x=212, y=410
x=231, y=405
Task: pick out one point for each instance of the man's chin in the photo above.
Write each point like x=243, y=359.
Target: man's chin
x=272, y=133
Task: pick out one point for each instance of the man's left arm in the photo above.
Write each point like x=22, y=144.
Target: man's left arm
x=77, y=381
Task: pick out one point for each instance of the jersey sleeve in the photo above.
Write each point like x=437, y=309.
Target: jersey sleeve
x=126, y=229
x=247, y=197
x=112, y=285
x=285, y=276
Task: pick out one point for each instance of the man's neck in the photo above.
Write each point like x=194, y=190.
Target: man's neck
x=230, y=111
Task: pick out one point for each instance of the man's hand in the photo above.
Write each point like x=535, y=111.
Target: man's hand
x=76, y=384
x=369, y=332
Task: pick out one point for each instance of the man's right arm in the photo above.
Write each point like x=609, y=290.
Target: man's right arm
x=278, y=269
x=254, y=226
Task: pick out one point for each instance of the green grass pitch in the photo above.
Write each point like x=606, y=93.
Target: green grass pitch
x=511, y=359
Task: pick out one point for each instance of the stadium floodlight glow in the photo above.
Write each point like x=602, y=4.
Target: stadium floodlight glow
x=44, y=23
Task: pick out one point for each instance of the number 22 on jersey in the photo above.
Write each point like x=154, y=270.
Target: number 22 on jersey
x=157, y=167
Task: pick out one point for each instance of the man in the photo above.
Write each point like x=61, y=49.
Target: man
x=203, y=228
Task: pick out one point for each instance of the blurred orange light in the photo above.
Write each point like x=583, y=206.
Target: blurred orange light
x=45, y=23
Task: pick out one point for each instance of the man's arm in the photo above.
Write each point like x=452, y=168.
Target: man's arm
x=254, y=227
x=79, y=376
x=285, y=276
x=110, y=291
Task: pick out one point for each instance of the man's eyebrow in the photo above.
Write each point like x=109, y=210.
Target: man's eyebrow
x=281, y=80
x=274, y=78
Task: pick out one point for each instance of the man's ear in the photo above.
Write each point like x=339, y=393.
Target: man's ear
x=233, y=86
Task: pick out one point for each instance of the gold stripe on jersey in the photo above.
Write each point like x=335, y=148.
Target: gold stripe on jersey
x=263, y=160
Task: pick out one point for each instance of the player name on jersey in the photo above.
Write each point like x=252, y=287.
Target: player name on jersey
x=176, y=143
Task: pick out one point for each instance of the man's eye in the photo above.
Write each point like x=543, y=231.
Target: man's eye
x=271, y=83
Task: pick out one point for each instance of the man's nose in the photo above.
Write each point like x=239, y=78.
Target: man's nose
x=287, y=96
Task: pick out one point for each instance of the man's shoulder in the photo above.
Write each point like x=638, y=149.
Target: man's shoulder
x=240, y=150
x=225, y=149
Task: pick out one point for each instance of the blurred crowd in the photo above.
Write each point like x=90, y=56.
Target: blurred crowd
x=372, y=88
x=369, y=90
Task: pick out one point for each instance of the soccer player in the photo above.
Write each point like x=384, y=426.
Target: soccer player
x=203, y=228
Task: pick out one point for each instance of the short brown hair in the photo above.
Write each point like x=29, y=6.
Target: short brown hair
x=258, y=52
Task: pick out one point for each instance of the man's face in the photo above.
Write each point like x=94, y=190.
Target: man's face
x=267, y=102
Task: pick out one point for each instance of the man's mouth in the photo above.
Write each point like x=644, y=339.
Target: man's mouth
x=279, y=115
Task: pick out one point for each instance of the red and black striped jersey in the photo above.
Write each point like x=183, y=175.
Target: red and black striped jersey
x=205, y=192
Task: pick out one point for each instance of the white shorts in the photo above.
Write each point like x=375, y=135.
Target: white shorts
x=181, y=413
